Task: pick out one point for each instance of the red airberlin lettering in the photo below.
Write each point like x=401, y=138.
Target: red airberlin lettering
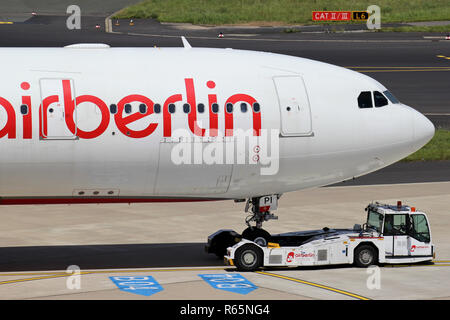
x=123, y=122
x=192, y=118
x=10, y=126
x=229, y=116
x=26, y=118
x=167, y=116
x=213, y=117
x=70, y=105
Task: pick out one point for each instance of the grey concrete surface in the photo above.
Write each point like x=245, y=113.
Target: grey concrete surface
x=154, y=239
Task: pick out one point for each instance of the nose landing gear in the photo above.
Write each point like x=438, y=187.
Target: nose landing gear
x=259, y=208
x=260, y=212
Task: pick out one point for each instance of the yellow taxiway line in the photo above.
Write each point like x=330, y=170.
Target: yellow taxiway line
x=416, y=67
x=406, y=70
x=52, y=275
x=61, y=273
x=34, y=278
x=321, y=286
x=399, y=69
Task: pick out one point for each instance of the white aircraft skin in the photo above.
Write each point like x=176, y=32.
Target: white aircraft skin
x=104, y=161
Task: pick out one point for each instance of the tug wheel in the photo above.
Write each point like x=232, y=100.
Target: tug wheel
x=365, y=256
x=248, y=257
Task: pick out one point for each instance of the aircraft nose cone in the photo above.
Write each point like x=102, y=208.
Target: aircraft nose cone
x=423, y=130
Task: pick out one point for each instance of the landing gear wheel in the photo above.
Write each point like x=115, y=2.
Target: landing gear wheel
x=260, y=236
x=365, y=256
x=248, y=258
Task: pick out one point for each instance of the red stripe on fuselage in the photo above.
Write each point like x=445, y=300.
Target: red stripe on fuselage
x=31, y=201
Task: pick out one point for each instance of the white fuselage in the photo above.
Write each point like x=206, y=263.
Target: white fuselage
x=69, y=146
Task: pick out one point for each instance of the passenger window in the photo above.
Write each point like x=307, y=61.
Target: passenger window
x=128, y=108
x=186, y=108
x=171, y=108
x=201, y=108
x=24, y=109
x=391, y=97
x=380, y=100
x=229, y=107
x=365, y=99
x=113, y=108
x=143, y=108
x=243, y=107
x=215, y=108
x=157, y=108
x=256, y=107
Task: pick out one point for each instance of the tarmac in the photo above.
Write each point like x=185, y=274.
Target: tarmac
x=166, y=242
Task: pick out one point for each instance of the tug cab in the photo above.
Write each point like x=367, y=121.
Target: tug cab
x=406, y=231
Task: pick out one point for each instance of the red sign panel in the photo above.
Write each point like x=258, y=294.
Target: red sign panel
x=331, y=15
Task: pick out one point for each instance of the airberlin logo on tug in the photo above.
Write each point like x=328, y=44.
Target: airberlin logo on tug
x=291, y=255
x=122, y=122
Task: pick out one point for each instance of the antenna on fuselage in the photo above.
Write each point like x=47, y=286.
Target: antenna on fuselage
x=186, y=44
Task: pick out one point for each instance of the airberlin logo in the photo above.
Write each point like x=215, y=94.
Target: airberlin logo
x=195, y=143
x=414, y=247
x=123, y=122
x=291, y=255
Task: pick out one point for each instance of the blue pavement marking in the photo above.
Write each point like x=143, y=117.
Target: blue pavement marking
x=143, y=285
x=229, y=282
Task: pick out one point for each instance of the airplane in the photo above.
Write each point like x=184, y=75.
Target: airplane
x=88, y=123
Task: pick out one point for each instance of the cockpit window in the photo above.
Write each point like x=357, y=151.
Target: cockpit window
x=365, y=99
x=391, y=97
x=379, y=99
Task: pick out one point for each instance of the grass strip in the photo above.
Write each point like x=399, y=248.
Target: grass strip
x=437, y=149
x=219, y=12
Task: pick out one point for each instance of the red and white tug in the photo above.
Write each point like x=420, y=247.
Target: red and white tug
x=391, y=234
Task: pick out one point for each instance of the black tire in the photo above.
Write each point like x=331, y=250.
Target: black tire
x=260, y=236
x=248, y=258
x=365, y=256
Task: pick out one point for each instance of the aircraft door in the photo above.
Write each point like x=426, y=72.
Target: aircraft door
x=294, y=106
x=53, y=112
